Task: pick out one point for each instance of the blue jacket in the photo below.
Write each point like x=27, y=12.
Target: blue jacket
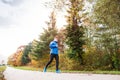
x=53, y=47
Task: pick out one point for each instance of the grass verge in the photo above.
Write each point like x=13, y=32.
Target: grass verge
x=71, y=71
x=95, y=72
x=2, y=68
x=27, y=68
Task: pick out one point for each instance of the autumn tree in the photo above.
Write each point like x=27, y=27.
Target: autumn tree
x=15, y=59
x=12, y=60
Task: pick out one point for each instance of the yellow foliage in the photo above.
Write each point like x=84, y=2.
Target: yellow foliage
x=34, y=63
x=18, y=60
x=65, y=62
x=15, y=59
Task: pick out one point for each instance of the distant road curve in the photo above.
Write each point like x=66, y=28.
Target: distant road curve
x=16, y=74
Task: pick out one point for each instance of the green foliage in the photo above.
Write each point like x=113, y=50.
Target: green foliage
x=108, y=41
x=37, y=50
x=96, y=59
x=106, y=34
x=75, y=32
x=107, y=12
x=116, y=61
x=25, y=57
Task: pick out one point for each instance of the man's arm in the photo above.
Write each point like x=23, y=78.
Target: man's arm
x=53, y=45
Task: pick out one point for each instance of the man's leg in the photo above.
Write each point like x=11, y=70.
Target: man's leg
x=57, y=62
x=51, y=59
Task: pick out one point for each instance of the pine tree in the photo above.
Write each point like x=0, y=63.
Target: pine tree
x=25, y=57
x=75, y=31
x=41, y=47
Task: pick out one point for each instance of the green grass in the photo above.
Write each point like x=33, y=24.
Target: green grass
x=27, y=68
x=71, y=71
x=95, y=72
x=2, y=68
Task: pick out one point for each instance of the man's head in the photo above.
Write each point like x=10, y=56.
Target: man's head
x=56, y=38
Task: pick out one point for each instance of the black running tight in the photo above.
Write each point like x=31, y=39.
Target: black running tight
x=52, y=56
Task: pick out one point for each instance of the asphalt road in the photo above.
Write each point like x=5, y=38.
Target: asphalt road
x=16, y=74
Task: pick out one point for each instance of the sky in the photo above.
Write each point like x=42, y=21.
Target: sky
x=21, y=21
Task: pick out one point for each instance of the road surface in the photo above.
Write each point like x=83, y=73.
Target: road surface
x=16, y=74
